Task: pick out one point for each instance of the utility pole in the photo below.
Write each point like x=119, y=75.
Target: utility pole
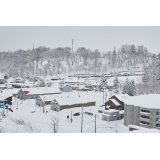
x=3, y=109
x=82, y=120
x=103, y=95
x=95, y=123
x=72, y=44
x=78, y=90
x=71, y=116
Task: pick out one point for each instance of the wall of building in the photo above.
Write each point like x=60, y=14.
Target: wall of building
x=58, y=107
x=55, y=106
x=131, y=114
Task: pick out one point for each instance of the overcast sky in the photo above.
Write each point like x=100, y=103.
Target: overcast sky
x=102, y=38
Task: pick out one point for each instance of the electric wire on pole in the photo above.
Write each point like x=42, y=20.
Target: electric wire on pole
x=71, y=116
x=95, y=123
x=82, y=120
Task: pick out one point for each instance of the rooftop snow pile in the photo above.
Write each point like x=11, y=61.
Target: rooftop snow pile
x=67, y=100
x=146, y=101
x=115, y=102
x=42, y=90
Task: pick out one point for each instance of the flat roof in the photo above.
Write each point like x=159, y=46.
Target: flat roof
x=151, y=101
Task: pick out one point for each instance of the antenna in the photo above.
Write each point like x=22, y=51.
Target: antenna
x=72, y=44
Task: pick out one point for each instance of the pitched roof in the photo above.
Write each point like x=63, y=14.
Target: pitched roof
x=115, y=102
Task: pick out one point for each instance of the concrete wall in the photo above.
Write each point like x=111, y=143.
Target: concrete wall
x=131, y=114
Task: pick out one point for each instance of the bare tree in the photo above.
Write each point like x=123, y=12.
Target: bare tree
x=54, y=124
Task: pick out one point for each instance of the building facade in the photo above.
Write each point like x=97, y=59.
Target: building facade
x=145, y=117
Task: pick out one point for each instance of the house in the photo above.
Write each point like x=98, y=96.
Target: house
x=116, y=102
x=64, y=102
x=44, y=100
x=67, y=89
x=6, y=96
x=34, y=79
x=143, y=111
x=139, y=73
x=112, y=115
x=74, y=82
x=32, y=93
x=3, y=81
x=21, y=85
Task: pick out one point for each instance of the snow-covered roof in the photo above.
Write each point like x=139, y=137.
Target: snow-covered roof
x=140, y=129
x=43, y=90
x=74, y=80
x=121, y=112
x=111, y=111
x=122, y=97
x=115, y=102
x=48, y=97
x=72, y=99
x=7, y=93
x=146, y=101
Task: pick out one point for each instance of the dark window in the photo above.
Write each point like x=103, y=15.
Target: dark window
x=145, y=122
x=144, y=110
x=145, y=116
x=157, y=125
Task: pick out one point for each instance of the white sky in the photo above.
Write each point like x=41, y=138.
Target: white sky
x=93, y=37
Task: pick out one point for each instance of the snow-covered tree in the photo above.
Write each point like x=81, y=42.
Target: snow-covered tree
x=103, y=85
x=126, y=87
x=116, y=85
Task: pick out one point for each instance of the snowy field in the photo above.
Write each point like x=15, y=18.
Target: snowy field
x=39, y=122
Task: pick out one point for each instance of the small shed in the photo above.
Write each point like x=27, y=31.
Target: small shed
x=112, y=115
x=67, y=88
x=116, y=102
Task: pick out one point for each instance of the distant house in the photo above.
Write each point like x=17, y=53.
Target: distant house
x=32, y=93
x=3, y=81
x=20, y=85
x=67, y=89
x=112, y=115
x=116, y=102
x=75, y=82
x=63, y=103
x=44, y=100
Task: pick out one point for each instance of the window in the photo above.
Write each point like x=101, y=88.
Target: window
x=158, y=113
x=157, y=125
x=157, y=119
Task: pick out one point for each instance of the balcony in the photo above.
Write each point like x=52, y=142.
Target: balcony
x=144, y=119
x=145, y=111
x=144, y=124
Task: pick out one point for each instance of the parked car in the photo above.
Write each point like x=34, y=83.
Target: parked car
x=91, y=114
x=76, y=114
x=99, y=111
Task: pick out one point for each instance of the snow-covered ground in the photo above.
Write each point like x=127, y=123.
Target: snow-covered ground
x=40, y=122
